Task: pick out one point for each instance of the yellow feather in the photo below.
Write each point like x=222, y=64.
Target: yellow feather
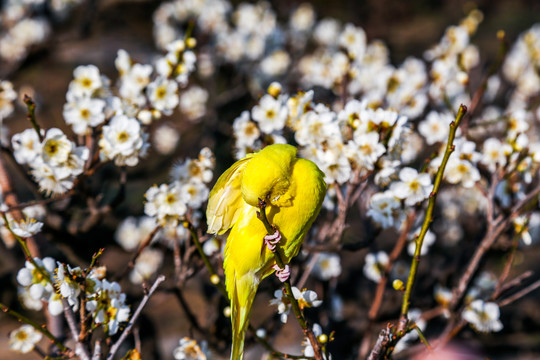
x=225, y=198
x=294, y=190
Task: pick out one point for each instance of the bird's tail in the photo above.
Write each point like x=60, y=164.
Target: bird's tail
x=241, y=301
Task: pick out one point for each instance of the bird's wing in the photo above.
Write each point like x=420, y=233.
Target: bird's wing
x=225, y=199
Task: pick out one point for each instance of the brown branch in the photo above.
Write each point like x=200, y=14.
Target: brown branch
x=127, y=330
x=11, y=200
x=379, y=350
x=520, y=294
x=518, y=280
x=381, y=286
x=494, y=230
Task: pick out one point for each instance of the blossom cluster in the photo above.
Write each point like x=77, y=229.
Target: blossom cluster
x=306, y=298
x=169, y=203
x=25, y=24
x=55, y=161
x=49, y=281
x=377, y=130
x=120, y=122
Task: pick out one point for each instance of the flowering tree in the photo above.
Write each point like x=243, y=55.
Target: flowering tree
x=432, y=170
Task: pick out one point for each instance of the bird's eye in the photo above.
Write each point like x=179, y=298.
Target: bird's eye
x=267, y=196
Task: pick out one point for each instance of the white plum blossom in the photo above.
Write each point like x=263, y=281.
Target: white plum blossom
x=246, y=131
x=483, y=316
x=24, y=339
x=303, y=18
x=317, y=125
x=461, y=171
x=132, y=232
x=165, y=139
x=193, y=102
x=133, y=82
x=365, y=149
x=166, y=203
x=163, y=95
x=327, y=266
x=435, y=127
x=521, y=226
x=385, y=209
x=146, y=265
x=108, y=307
x=352, y=113
x=195, y=193
x=56, y=147
x=84, y=113
x=442, y=295
x=197, y=170
x=495, y=153
x=353, y=39
x=36, y=282
x=123, y=141
x=68, y=287
x=276, y=63
x=306, y=298
x=327, y=31
x=86, y=81
x=270, y=114
x=211, y=246
x=189, y=349
x=517, y=123
x=375, y=264
x=7, y=97
x=336, y=169
x=412, y=187
x=26, y=228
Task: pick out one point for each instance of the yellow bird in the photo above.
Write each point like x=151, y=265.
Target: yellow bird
x=293, y=189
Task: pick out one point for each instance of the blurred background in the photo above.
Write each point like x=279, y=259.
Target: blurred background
x=93, y=33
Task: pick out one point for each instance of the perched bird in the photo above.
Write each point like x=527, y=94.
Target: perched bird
x=293, y=190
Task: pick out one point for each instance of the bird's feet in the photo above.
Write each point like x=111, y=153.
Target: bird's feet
x=282, y=274
x=272, y=240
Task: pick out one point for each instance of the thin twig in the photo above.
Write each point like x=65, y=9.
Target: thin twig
x=209, y=267
x=177, y=291
x=520, y=294
x=274, y=353
x=381, y=286
x=515, y=281
x=31, y=115
x=127, y=330
x=422, y=337
x=428, y=218
x=507, y=265
x=41, y=328
x=500, y=224
x=177, y=258
x=309, y=268
x=308, y=332
x=10, y=199
x=80, y=349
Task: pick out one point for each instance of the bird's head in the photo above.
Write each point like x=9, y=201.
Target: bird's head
x=267, y=175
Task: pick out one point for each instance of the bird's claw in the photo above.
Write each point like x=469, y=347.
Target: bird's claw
x=272, y=240
x=282, y=274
